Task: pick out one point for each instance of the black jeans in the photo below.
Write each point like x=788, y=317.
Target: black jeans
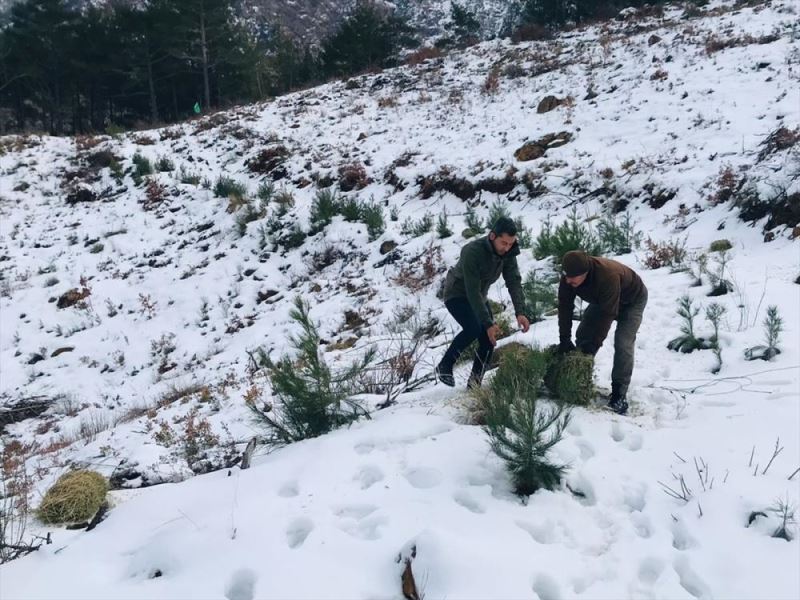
x=471, y=330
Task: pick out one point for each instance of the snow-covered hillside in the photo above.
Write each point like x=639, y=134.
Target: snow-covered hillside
x=175, y=288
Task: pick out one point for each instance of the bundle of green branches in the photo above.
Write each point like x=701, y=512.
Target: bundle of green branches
x=74, y=498
x=570, y=377
x=521, y=430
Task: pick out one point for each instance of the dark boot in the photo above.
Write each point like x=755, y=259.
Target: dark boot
x=617, y=402
x=474, y=381
x=444, y=373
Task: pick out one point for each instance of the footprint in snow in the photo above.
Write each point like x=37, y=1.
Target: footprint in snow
x=546, y=588
x=298, y=531
x=368, y=476
x=288, y=490
x=465, y=499
x=617, y=433
x=424, y=477
x=241, y=585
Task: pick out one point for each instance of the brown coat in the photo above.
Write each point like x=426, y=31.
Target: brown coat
x=609, y=284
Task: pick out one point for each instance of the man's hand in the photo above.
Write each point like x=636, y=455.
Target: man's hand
x=492, y=332
x=523, y=322
x=565, y=347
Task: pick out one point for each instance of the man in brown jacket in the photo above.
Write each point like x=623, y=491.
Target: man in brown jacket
x=614, y=292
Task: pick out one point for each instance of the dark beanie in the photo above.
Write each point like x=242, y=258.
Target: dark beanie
x=575, y=262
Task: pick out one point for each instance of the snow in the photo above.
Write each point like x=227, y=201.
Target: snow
x=336, y=516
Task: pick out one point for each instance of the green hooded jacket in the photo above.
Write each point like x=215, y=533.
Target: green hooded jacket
x=476, y=270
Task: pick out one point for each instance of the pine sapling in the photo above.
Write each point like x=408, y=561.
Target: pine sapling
x=714, y=313
x=688, y=342
x=773, y=326
x=786, y=515
x=719, y=285
x=314, y=399
x=443, y=227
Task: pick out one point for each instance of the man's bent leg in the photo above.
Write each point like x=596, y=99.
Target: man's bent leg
x=628, y=322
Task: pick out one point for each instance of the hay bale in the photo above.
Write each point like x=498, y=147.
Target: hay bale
x=570, y=377
x=75, y=497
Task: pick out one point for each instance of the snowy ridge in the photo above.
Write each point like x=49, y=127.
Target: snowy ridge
x=328, y=517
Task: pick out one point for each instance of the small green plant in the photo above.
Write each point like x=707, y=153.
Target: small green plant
x=540, y=294
x=247, y=214
x=188, y=177
x=473, y=221
x=164, y=165
x=714, y=314
x=773, y=326
x=719, y=285
x=521, y=430
x=117, y=171
x=142, y=166
x=569, y=235
x=524, y=234
x=443, y=227
x=226, y=187
x=74, y=498
x=618, y=236
x=688, y=342
x=497, y=210
x=324, y=207
x=265, y=192
x=313, y=398
x=372, y=217
x=350, y=208
x=417, y=228
x=785, y=512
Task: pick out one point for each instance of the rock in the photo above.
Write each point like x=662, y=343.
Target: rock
x=653, y=39
x=35, y=358
x=536, y=149
x=387, y=246
x=769, y=236
x=22, y=409
x=71, y=297
x=81, y=194
x=547, y=104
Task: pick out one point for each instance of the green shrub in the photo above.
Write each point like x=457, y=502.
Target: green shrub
x=324, y=207
x=74, y=498
x=474, y=222
x=417, y=228
x=720, y=245
x=372, y=217
x=225, y=187
x=443, y=227
x=188, y=177
x=570, y=377
x=498, y=210
x=266, y=192
x=142, y=166
x=569, y=235
x=164, y=165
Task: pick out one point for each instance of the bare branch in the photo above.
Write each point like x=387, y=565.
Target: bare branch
x=774, y=454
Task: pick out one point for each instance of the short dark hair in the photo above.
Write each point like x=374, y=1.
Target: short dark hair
x=504, y=225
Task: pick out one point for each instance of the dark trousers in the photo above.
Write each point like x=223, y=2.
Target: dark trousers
x=628, y=321
x=471, y=330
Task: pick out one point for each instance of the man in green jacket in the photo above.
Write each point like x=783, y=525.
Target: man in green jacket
x=614, y=292
x=466, y=292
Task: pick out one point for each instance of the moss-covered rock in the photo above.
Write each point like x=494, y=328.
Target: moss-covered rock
x=75, y=497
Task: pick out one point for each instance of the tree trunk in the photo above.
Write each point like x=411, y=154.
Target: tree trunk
x=204, y=49
x=152, y=89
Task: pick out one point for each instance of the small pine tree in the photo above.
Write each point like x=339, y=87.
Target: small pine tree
x=473, y=221
x=325, y=206
x=520, y=430
x=540, y=295
x=443, y=227
x=714, y=313
x=569, y=235
x=314, y=399
x=688, y=342
x=463, y=22
x=773, y=326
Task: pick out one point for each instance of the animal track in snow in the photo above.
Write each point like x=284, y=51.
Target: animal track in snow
x=635, y=442
x=464, y=498
x=545, y=533
x=364, y=447
x=546, y=588
x=424, y=477
x=298, y=531
x=241, y=585
x=368, y=476
x=650, y=570
x=690, y=580
x=288, y=490
x=586, y=449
